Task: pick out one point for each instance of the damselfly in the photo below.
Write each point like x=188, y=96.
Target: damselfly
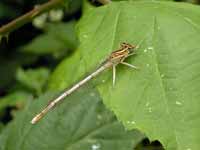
x=115, y=58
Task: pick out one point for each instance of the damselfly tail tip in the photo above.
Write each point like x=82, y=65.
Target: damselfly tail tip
x=36, y=119
x=33, y=121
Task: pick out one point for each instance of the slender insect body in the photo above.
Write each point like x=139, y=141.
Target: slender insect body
x=113, y=60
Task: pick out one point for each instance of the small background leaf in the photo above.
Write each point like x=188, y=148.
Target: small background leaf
x=7, y=70
x=33, y=79
x=17, y=98
x=6, y=11
x=57, y=40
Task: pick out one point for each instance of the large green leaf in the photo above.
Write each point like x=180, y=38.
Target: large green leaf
x=81, y=122
x=162, y=97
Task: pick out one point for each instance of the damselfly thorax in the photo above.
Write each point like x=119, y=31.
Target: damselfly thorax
x=119, y=55
x=115, y=58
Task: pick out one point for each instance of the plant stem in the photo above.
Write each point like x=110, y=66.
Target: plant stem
x=20, y=21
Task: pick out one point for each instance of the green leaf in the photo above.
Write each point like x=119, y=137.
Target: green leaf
x=7, y=71
x=58, y=39
x=81, y=122
x=1, y=127
x=6, y=11
x=141, y=0
x=33, y=79
x=162, y=97
x=61, y=78
x=147, y=0
x=72, y=6
x=17, y=98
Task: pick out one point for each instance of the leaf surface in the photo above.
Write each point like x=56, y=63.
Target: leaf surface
x=162, y=97
x=81, y=122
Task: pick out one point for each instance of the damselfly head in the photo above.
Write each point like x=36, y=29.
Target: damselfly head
x=127, y=46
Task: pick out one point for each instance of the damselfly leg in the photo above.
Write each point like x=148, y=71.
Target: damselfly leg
x=123, y=63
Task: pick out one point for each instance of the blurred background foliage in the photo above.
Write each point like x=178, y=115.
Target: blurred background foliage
x=30, y=53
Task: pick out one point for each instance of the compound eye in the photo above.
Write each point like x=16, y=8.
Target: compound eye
x=124, y=45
